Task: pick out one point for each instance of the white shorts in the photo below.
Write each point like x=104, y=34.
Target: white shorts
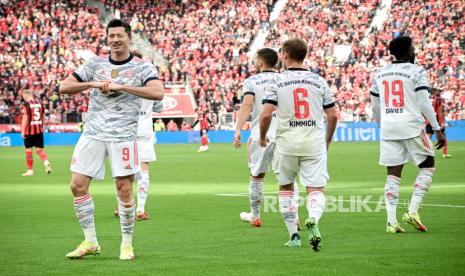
x=89, y=158
x=260, y=158
x=399, y=152
x=312, y=170
x=146, y=149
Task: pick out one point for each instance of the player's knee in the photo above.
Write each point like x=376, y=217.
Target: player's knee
x=428, y=163
x=78, y=189
x=287, y=187
x=124, y=191
x=315, y=189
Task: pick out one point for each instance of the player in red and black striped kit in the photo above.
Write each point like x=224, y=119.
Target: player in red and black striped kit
x=32, y=131
x=204, y=124
x=438, y=106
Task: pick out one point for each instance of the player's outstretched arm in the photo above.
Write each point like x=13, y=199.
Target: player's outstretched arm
x=331, y=119
x=243, y=114
x=153, y=90
x=265, y=121
x=71, y=85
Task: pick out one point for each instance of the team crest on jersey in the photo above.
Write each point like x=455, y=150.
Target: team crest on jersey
x=114, y=73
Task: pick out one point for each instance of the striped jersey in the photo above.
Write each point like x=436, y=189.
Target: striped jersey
x=301, y=97
x=396, y=85
x=438, y=105
x=35, y=117
x=114, y=117
x=255, y=85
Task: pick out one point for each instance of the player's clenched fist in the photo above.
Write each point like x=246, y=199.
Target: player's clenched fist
x=237, y=140
x=102, y=85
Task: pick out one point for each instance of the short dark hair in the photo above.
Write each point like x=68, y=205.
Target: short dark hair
x=295, y=48
x=400, y=46
x=268, y=55
x=119, y=23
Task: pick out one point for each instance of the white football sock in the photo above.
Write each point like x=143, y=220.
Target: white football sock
x=126, y=218
x=287, y=209
x=316, y=204
x=420, y=189
x=255, y=196
x=84, y=209
x=143, y=186
x=391, y=197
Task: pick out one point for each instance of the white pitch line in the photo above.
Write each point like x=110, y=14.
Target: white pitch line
x=358, y=189
x=346, y=200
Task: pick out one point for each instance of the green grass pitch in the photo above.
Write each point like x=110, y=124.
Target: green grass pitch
x=193, y=230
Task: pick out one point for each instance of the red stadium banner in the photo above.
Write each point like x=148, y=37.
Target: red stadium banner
x=177, y=103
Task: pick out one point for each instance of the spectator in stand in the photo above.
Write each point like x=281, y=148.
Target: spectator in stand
x=172, y=126
x=185, y=126
x=159, y=125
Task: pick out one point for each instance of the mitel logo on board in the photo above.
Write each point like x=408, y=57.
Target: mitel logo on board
x=169, y=103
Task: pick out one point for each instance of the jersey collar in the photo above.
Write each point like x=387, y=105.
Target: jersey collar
x=400, y=61
x=297, y=69
x=268, y=71
x=120, y=62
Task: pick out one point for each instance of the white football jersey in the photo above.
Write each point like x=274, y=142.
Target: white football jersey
x=301, y=97
x=255, y=85
x=145, y=127
x=396, y=85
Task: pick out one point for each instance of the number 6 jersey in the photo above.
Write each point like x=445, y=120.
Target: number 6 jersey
x=301, y=97
x=397, y=85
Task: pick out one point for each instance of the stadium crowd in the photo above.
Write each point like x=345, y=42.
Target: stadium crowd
x=206, y=43
x=37, y=49
x=436, y=27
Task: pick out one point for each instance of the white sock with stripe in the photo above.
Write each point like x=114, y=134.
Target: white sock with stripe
x=255, y=196
x=316, y=202
x=421, y=188
x=84, y=209
x=391, y=197
x=126, y=218
x=288, y=211
x=143, y=186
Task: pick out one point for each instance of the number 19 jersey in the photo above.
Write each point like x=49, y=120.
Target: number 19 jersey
x=397, y=84
x=301, y=97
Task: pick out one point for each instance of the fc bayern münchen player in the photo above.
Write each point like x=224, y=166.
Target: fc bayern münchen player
x=118, y=83
x=400, y=96
x=259, y=158
x=303, y=100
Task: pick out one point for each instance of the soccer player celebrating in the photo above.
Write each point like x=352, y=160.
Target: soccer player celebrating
x=259, y=159
x=118, y=83
x=400, y=93
x=438, y=106
x=302, y=99
x=32, y=131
